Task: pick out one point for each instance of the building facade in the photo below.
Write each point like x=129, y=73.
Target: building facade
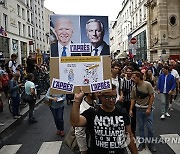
x=131, y=23
x=22, y=31
x=164, y=29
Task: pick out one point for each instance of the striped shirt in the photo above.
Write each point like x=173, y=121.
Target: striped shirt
x=127, y=88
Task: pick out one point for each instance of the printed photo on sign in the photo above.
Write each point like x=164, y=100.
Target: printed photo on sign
x=94, y=29
x=66, y=30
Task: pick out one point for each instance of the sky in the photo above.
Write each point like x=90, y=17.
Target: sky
x=109, y=8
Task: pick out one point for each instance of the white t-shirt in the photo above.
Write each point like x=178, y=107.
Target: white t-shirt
x=164, y=90
x=28, y=86
x=13, y=65
x=116, y=83
x=175, y=74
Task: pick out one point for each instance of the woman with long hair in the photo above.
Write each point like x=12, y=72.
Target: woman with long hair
x=148, y=76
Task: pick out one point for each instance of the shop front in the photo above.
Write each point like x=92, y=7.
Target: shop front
x=4, y=49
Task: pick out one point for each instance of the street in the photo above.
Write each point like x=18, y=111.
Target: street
x=41, y=138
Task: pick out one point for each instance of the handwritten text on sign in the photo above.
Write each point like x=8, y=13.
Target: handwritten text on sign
x=59, y=85
x=100, y=86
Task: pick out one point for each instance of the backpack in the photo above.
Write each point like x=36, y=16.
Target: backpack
x=7, y=66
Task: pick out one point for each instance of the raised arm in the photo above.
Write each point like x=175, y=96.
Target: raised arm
x=76, y=119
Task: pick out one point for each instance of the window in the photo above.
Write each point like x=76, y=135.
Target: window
x=36, y=21
x=173, y=20
x=42, y=3
x=42, y=15
x=135, y=4
x=5, y=22
x=39, y=24
x=27, y=3
x=43, y=25
x=29, y=31
x=24, y=30
x=133, y=23
x=19, y=28
x=32, y=32
x=43, y=38
x=136, y=20
x=23, y=13
x=140, y=15
x=28, y=18
x=31, y=18
x=40, y=35
x=130, y=10
x=31, y=4
x=39, y=11
x=144, y=12
x=132, y=6
x=18, y=10
x=35, y=9
x=37, y=34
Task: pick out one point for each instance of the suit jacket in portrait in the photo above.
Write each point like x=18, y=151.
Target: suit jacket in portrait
x=105, y=50
x=55, y=53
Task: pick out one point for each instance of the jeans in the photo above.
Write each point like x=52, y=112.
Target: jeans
x=15, y=105
x=165, y=99
x=143, y=119
x=31, y=108
x=58, y=117
x=126, y=105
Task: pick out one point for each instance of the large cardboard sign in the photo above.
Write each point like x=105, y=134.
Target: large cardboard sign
x=80, y=53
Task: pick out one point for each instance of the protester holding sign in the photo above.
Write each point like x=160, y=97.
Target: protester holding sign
x=107, y=124
x=81, y=133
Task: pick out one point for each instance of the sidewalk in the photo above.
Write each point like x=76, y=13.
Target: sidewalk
x=6, y=117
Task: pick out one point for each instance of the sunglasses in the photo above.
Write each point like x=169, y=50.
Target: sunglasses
x=108, y=98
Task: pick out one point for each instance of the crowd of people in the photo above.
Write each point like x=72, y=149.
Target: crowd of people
x=134, y=85
x=101, y=121
x=13, y=77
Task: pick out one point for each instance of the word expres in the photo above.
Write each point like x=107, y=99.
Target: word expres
x=80, y=48
x=100, y=86
x=62, y=85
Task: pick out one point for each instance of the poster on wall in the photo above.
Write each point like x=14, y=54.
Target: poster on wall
x=14, y=46
x=79, y=46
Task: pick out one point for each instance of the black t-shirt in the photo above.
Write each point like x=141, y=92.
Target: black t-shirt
x=107, y=129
